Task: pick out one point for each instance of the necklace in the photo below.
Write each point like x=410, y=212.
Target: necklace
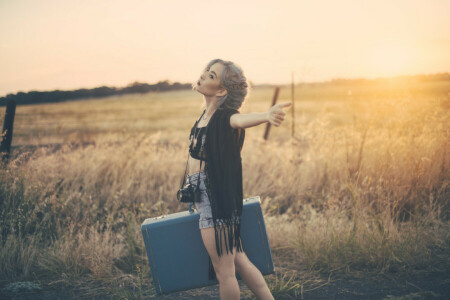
x=194, y=139
x=193, y=136
x=204, y=118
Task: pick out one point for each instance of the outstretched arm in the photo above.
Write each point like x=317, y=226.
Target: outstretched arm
x=275, y=116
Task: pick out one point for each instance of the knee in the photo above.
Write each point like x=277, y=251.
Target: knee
x=223, y=277
x=241, y=261
x=238, y=265
x=225, y=272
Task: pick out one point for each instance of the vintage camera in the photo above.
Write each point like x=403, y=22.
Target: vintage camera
x=190, y=193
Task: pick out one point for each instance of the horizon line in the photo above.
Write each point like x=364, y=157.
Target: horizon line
x=253, y=84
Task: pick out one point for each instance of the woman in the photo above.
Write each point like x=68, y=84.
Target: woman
x=215, y=162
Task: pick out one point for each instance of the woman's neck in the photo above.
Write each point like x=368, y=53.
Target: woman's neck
x=210, y=108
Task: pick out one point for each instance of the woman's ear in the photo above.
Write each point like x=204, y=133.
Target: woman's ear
x=221, y=92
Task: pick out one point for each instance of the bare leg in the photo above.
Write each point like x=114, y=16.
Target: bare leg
x=252, y=277
x=224, y=266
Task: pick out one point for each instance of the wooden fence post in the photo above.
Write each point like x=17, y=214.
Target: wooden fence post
x=7, y=132
x=293, y=106
x=274, y=101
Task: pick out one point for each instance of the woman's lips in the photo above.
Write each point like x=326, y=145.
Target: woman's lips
x=198, y=82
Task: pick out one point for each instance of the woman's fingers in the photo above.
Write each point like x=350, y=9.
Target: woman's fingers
x=276, y=122
x=277, y=114
x=283, y=105
x=279, y=107
x=277, y=119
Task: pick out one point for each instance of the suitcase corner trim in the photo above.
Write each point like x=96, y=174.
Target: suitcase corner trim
x=155, y=274
x=262, y=225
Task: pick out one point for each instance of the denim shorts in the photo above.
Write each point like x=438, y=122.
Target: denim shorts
x=203, y=207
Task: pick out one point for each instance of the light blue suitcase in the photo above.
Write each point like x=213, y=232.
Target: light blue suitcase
x=176, y=254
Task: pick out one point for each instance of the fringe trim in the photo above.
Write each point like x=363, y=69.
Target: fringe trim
x=227, y=228
x=230, y=230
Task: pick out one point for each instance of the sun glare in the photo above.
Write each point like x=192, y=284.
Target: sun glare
x=391, y=60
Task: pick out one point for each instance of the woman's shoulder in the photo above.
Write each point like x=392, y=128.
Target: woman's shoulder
x=225, y=111
x=229, y=109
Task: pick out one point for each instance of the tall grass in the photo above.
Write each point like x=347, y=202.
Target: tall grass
x=362, y=187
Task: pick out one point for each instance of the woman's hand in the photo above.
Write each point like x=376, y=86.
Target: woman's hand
x=275, y=115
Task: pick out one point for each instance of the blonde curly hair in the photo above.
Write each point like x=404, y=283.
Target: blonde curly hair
x=234, y=81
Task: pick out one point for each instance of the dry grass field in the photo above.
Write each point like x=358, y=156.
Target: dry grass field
x=361, y=191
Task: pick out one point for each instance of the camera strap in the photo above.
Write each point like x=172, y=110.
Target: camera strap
x=187, y=161
x=198, y=179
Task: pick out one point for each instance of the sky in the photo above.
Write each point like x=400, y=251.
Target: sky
x=71, y=44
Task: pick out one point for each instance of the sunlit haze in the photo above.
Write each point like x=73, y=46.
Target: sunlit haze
x=49, y=45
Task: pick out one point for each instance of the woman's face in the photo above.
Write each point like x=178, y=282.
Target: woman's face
x=209, y=82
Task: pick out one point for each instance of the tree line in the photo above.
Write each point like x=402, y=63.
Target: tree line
x=35, y=97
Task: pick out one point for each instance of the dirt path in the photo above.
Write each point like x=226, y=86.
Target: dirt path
x=418, y=286
x=393, y=286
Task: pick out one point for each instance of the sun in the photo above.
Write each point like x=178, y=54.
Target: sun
x=392, y=59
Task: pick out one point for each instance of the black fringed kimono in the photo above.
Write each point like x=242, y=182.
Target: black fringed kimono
x=223, y=168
